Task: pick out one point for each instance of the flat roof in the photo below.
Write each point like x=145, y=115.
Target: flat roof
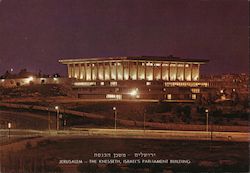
x=127, y=58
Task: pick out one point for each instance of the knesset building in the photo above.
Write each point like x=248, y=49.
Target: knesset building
x=137, y=77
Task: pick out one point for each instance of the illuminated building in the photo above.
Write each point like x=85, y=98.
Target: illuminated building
x=152, y=77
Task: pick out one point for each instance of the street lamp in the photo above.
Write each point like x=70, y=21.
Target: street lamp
x=144, y=121
x=9, y=127
x=115, y=114
x=31, y=78
x=49, y=121
x=57, y=117
x=134, y=93
x=207, y=119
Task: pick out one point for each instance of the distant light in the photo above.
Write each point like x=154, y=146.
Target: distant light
x=11, y=69
x=31, y=78
x=114, y=108
x=169, y=96
x=54, y=78
x=56, y=107
x=2, y=80
x=234, y=89
x=221, y=91
x=9, y=125
x=134, y=92
x=206, y=110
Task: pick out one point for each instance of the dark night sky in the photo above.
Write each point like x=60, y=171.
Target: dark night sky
x=34, y=34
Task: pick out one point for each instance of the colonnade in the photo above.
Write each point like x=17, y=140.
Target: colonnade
x=134, y=70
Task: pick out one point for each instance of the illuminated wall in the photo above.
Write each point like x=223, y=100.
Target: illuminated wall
x=134, y=70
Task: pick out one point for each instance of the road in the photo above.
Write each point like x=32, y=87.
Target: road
x=130, y=133
x=19, y=138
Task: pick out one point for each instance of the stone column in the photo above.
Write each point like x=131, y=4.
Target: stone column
x=79, y=72
x=184, y=72
x=169, y=71
x=176, y=71
x=91, y=71
x=97, y=71
x=129, y=70
x=191, y=71
x=161, y=71
x=85, y=71
x=137, y=71
x=198, y=71
x=116, y=71
x=103, y=70
x=69, y=70
x=74, y=70
x=153, y=70
x=122, y=64
x=109, y=70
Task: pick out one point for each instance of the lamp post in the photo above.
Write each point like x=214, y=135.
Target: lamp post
x=206, y=119
x=134, y=93
x=211, y=134
x=115, y=114
x=57, y=117
x=9, y=127
x=48, y=118
x=144, y=121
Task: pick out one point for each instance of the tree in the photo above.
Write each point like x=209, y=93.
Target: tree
x=23, y=73
x=7, y=75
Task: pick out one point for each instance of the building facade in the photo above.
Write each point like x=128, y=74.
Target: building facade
x=140, y=77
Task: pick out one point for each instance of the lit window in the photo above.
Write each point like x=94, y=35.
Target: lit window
x=102, y=83
x=148, y=83
x=114, y=96
x=149, y=64
x=84, y=83
x=193, y=96
x=134, y=92
x=223, y=97
x=169, y=96
x=195, y=90
x=113, y=83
